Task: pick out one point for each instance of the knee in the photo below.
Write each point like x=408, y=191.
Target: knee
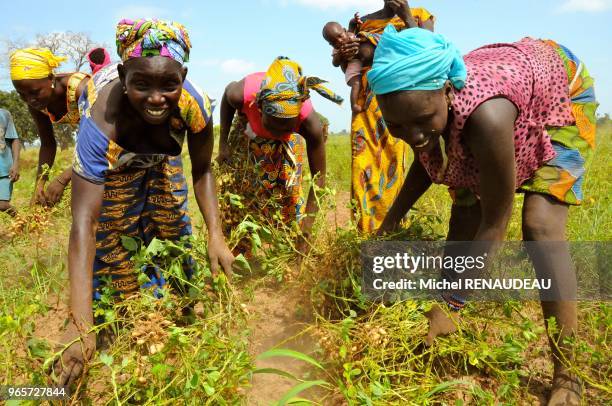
x=4, y=205
x=541, y=226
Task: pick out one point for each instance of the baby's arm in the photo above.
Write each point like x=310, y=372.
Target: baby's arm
x=336, y=59
x=353, y=79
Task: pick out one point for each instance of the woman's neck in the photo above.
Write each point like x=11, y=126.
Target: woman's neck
x=57, y=106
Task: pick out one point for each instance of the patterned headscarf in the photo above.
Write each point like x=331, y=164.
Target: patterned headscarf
x=284, y=89
x=136, y=38
x=33, y=63
x=415, y=59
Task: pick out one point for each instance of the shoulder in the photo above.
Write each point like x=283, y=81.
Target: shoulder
x=491, y=118
x=195, y=107
x=234, y=92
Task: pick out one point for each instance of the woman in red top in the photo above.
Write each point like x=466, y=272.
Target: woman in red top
x=277, y=112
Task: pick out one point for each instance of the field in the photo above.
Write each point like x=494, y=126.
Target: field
x=289, y=331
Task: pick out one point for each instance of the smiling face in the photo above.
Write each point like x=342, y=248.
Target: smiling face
x=37, y=93
x=153, y=85
x=418, y=117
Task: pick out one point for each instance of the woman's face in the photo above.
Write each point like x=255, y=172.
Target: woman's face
x=153, y=86
x=417, y=117
x=278, y=126
x=37, y=93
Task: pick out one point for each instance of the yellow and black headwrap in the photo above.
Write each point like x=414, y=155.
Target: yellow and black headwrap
x=284, y=89
x=33, y=63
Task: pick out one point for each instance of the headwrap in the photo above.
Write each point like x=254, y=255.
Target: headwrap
x=33, y=63
x=136, y=38
x=284, y=89
x=415, y=59
x=95, y=67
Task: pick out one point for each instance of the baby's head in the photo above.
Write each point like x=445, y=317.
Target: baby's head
x=335, y=34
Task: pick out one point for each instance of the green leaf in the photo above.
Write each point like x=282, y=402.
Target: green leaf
x=208, y=389
x=256, y=240
x=129, y=243
x=297, y=389
x=155, y=247
x=160, y=370
x=214, y=376
x=282, y=352
x=444, y=386
x=39, y=348
x=300, y=402
x=106, y=359
x=143, y=278
x=275, y=371
x=194, y=381
x=241, y=263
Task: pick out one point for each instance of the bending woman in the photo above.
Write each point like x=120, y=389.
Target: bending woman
x=128, y=177
x=51, y=99
x=278, y=112
x=378, y=160
x=507, y=118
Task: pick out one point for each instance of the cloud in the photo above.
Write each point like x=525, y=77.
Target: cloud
x=590, y=6
x=339, y=4
x=140, y=11
x=237, y=66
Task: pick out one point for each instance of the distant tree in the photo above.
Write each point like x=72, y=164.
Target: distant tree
x=21, y=116
x=64, y=135
x=603, y=119
x=74, y=45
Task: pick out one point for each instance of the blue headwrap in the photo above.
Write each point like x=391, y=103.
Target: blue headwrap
x=415, y=59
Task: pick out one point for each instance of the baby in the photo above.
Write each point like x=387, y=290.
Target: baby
x=337, y=36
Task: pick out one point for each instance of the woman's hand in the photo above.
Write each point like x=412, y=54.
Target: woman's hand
x=349, y=49
x=73, y=359
x=224, y=154
x=14, y=172
x=54, y=192
x=220, y=254
x=39, y=193
x=440, y=323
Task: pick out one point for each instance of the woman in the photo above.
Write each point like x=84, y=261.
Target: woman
x=52, y=99
x=378, y=161
x=127, y=175
x=278, y=112
x=98, y=58
x=520, y=118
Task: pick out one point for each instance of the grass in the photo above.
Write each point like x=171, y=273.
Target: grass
x=372, y=353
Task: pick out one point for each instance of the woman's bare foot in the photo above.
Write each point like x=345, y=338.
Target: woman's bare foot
x=440, y=323
x=566, y=390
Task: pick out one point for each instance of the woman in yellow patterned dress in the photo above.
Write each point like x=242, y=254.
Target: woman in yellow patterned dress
x=52, y=99
x=378, y=160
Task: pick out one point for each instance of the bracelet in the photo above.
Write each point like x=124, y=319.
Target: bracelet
x=454, y=301
x=60, y=182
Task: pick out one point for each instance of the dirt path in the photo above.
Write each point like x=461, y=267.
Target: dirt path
x=279, y=317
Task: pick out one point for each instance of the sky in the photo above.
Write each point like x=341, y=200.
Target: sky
x=234, y=38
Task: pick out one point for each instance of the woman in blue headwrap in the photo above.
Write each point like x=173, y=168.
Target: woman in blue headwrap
x=127, y=175
x=505, y=118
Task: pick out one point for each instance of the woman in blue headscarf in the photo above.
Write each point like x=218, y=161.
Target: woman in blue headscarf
x=505, y=118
